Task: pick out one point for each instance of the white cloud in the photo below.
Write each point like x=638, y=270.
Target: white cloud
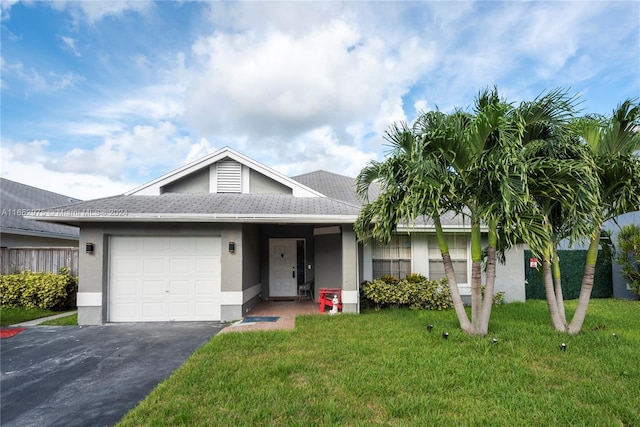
x=275, y=86
x=318, y=149
x=123, y=155
x=35, y=82
x=199, y=150
x=94, y=11
x=70, y=44
x=30, y=171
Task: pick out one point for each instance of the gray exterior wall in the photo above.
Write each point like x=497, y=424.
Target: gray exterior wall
x=94, y=268
x=510, y=276
x=261, y=184
x=329, y=264
x=8, y=240
x=197, y=182
x=251, y=277
x=350, y=283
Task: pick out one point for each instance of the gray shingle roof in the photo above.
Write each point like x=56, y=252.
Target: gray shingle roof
x=335, y=186
x=119, y=208
x=17, y=199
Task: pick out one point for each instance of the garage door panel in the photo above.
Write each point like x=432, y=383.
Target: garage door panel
x=180, y=311
x=180, y=266
x=153, y=265
x=127, y=312
x=164, y=279
x=124, y=288
x=125, y=265
x=153, y=311
x=153, y=288
x=155, y=245
x=205, y=288
x=180, y=288
x=207, y=265
x=128, y=246
x=182, y=246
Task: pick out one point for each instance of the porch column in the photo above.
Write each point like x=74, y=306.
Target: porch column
x=350, y=286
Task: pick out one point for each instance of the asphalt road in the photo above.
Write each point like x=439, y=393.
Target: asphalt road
x=90, y=375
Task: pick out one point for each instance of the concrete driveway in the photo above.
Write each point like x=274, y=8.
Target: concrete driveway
x=90, y=375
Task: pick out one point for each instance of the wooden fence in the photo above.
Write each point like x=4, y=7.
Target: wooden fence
x=51, y=260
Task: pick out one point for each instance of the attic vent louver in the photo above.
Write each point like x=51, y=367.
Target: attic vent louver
x=229, y=177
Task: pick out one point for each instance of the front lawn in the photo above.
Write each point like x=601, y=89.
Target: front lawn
x=13, y=315
x=71, y=320
x=384, y=368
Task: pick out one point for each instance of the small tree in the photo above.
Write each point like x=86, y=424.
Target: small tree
x=628, y=255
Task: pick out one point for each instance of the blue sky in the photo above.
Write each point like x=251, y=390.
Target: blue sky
x=100, y=97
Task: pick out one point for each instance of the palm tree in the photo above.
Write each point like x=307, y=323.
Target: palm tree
x=469, y=163
x=582, y=173
x=614, y=144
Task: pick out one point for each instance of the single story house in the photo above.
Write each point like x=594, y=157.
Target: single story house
x=210, y=239
x=19, y=200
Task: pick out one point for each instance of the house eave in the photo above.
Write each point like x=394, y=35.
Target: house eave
x=210, y=218
x=452, y=228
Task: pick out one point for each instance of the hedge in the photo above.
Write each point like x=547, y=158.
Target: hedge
x=571, y=269
x=39, y=290
x=415, y=291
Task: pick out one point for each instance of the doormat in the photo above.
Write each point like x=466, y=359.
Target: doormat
x=9, y=332
x=255, y=319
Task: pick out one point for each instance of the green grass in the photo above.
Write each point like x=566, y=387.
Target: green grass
x=13, y=315
x=71, y=320
x=384, y=368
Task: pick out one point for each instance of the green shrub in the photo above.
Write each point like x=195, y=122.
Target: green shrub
x=38, y=290
x=415, y=291
x=628, y=255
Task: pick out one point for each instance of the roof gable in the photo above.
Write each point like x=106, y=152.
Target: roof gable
x=211, y=163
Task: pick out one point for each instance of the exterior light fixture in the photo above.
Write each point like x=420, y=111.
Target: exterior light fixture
x=429, y=328
x=232, y=247
x=563, y=347
x=445, y=335
x=495, y=341
x=90, y=247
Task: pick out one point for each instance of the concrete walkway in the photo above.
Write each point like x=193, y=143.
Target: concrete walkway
x=35, y=322
x=285, y=311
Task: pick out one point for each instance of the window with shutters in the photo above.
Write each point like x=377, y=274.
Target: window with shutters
x=229, y=177
x=393, y=258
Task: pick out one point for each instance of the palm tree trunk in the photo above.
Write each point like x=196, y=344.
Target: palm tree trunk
x=557, y=280
x=458, y=305
x=476, y=275
x=487, y=303
x=552, y=303
x=587, y=286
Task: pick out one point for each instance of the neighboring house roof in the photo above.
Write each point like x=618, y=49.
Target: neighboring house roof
x=17, y=200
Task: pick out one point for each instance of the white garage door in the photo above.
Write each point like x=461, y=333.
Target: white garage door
x=159, y=279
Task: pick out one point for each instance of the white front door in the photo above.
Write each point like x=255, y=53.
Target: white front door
x=282, y=267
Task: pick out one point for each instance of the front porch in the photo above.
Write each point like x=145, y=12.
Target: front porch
x=285, y=311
